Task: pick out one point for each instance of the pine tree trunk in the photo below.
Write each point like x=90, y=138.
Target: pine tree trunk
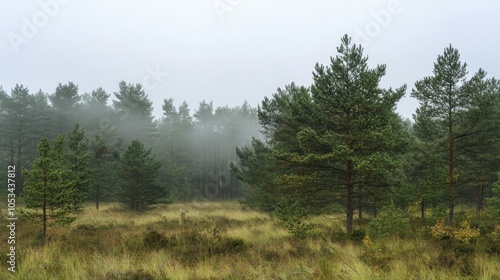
x=350, y=206
x=97, y=197
x=19, y=163
x=479, y=197
x=360, y=207
x=422, y=210
x=44, y=216
x=451, y=203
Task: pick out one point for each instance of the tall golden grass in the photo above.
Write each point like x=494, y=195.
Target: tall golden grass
x=230, y=243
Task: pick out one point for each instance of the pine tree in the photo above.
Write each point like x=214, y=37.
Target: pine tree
x=173, y=147
x=105, y=163
x=134, y=110
x=97, y=117
x=43, y=124
x=65, y=101
x=493, y=202
x=338, y=139
x=15, y=127
x=204, y=145
x=139, y=185
x=258, y=169
x=355, y=131
x=78, y=157
x=448, y=115
x=49, y=186
x=283, y=117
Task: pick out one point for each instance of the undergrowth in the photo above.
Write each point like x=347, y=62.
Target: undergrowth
x=220, y=240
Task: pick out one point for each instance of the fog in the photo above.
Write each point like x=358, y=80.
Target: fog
x=206, y=58
x=231, y=51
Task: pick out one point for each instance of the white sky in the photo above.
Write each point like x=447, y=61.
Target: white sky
x=229, y=51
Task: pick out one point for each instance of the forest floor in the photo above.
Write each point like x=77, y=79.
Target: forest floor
x=221, y=240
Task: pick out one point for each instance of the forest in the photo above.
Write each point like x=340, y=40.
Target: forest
x=327, y=175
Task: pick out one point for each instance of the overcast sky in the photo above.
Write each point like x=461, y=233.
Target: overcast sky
x=229, y=51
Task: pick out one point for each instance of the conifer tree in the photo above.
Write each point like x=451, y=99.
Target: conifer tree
x=138, y=175
x=78, y=157
x=50, y=187
x=338, y=139
x=134, y=109
x=449, y=108
x=354, y=134
x=65, y=101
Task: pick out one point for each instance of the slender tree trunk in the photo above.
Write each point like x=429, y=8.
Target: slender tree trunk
x=44, y=215
x=350, y=192
x=479, y=197
x=360, y=207
x=451, y=203
x=97, y=197
x=422, y=210
x=19, y=164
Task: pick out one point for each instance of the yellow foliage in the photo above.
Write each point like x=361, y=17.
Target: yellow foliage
x=414, y=208
x=465, y=233
x=367, y=242
x=495, y=235
x=440, y=230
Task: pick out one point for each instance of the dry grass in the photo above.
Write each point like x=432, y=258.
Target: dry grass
x=219, y=240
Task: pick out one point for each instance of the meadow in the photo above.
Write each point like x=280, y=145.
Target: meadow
x=222, y=240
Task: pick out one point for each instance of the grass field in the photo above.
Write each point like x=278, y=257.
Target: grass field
x=220, y=240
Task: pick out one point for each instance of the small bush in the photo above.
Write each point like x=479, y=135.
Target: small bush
x=463, y=234
x=155, y=240
x=438, y=213
x=357, y=236
x=292, y=217
x=193, y=245
x=493, y=202
x=183, y=220
x=495, y=235
x=490, y=243
x=440, y=230
x=391, y=222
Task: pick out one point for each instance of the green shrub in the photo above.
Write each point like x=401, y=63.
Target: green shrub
x=391, y=222
x=292, y=216
x=192, y=245
x=463, y=234
x=493, y=202
x=490, y=243
x=183, y=220
x=155, y=240
x=357, y=236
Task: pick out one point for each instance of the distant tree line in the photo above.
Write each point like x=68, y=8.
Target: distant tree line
x=191, y=152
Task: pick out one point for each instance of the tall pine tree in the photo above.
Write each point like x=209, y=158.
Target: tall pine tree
x=50, y=187
x=448, y=108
